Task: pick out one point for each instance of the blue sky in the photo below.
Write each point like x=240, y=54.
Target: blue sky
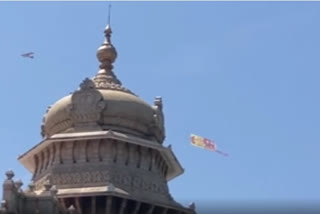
x=245, y=74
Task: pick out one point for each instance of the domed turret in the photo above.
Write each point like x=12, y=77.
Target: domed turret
x=102, y=103
x=101, y=151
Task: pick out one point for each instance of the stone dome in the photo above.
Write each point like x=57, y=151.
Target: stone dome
x=102, y=103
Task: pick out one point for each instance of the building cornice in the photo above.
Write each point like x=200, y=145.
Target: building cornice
x=174, y=167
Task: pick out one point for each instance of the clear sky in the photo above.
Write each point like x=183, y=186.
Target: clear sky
x=245, y=74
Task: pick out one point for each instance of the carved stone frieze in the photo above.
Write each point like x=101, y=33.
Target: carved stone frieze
x=122, y=180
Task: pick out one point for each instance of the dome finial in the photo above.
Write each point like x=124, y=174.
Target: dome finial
x=107, y=54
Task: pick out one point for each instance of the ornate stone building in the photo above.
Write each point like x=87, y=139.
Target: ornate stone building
x=101, y=153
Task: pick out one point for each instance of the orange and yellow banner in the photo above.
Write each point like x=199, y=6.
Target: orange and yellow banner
x=203, y=143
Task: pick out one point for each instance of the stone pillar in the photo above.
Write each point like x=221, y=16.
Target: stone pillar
x=10, y=193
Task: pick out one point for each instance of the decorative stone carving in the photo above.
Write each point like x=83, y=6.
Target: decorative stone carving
x=120, y=179
x=76, y=177
x=47, y=185
x=158, y=118
x=53, y=190
x=31, y=186
x=111, y=187
x=40, y=183
x=104, y=84
x=158, y=102
x=18, y=184
x=86, y=178
x=9, y=183
x=97, y=177
x=87, y=84
x=137, y=182
x=125, y=180
x=87, y=105
x=9, y=174
x=106, y=176
x=43, y=132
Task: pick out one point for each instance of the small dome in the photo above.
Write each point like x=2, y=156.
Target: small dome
x=106, y=51
x=102, y=103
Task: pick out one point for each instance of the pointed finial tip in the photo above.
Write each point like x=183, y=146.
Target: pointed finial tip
x=108, y=29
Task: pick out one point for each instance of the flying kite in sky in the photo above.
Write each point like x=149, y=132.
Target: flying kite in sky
x=28, y=55
x=205, y=143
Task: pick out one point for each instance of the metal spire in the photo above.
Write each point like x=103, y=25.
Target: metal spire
x=109, y=14
x=107, y=54
x=108, y=30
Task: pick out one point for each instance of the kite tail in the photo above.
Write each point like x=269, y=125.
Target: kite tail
x=222, y=153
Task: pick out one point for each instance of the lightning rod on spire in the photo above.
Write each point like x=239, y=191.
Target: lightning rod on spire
x=109, y=14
